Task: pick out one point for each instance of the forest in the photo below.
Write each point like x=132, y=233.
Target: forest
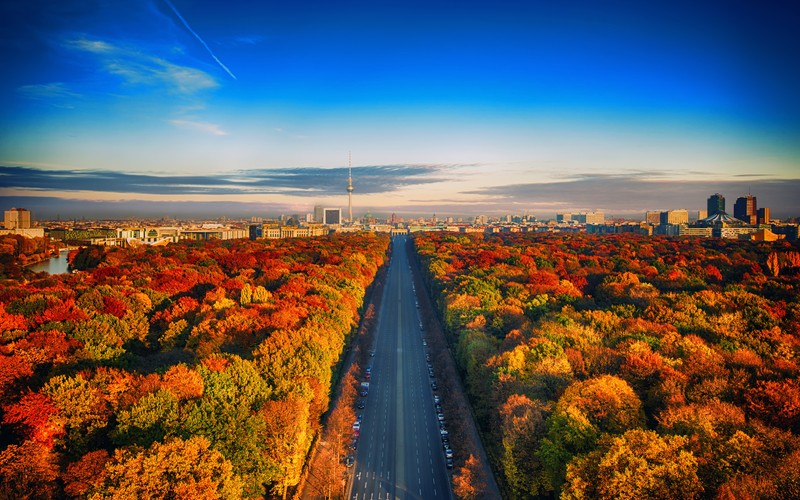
x=195, y=370
x=625, y=366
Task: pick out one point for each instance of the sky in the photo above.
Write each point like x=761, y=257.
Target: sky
x=197, y=108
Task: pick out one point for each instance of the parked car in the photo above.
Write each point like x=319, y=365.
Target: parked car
x=449, y=462
x=349, y=460
x=361, y=404
x=448, y=453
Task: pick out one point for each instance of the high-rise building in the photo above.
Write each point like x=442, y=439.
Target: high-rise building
x=652, y=217
x=745, y=209
x=675, y=217
x=763, y=215
x=17, y=218
x=589, y=218
x=319, y=214
x=333, y=216
x=716, y=204
x=563, y=217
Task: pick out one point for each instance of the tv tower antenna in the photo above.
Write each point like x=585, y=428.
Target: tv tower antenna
x=350, y=186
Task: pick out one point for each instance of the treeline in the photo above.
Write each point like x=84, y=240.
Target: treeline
x=196, y=370
x=627, y=367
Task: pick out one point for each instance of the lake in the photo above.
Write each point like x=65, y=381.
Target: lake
x=53, y=265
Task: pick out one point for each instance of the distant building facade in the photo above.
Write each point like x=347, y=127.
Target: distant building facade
x=214, y=234
x=716, y=204
x=563, y=217
x=589, y=218
x=17, y=218
x=745, y=209
x=704, y=232
x=319, y=214
x=763, y=216
x=652, y=217
x=332, y=216
x=674, y=217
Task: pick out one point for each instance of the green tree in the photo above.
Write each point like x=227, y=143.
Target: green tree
x=586, y=412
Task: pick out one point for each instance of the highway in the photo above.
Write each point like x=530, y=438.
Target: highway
x=400, y=452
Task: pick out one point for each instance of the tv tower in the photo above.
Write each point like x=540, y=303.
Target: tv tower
x=350, y=186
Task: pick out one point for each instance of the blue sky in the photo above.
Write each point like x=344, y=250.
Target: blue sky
x=190, y=107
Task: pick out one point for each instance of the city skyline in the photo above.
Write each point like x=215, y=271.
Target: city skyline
x=190, y=107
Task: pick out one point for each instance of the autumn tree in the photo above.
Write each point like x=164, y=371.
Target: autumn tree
x=636, y=465
x=470, y=482
x=28, y=471
x=179, y=469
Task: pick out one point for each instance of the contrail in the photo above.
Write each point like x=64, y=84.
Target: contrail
x=200, y=39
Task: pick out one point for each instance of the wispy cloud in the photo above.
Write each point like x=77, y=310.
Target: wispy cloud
x=47, y=91
x=138, y=68
x=309, y=181
x=193, y=32
x=208, y=128
x=96, y=46
x=249, y=39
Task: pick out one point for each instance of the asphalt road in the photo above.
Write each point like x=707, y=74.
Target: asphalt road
x=400, y=453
